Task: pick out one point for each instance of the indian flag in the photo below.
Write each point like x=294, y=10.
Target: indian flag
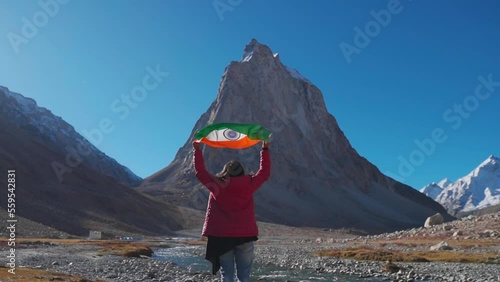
x=232, y=135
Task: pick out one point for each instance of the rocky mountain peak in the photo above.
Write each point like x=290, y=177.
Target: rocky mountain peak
x=316, y=173
x=490, y=162
x=489, y=166
x=256, y=51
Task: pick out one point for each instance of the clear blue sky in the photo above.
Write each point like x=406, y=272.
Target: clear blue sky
x=85, y=54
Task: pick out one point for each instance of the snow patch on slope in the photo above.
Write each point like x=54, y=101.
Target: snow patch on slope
x=295, y=73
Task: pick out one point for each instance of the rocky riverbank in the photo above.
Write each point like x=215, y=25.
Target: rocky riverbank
x=296, y=251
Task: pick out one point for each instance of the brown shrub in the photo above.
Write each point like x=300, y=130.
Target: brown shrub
x=367, y=253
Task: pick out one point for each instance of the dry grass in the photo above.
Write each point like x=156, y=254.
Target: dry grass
x=194, y=242
x=415, y=242
x=483, y=243
x=27, y=241
x=126, y=249
x=121, y=248
x=456, y=244
x=38, y=275
x=367, y=253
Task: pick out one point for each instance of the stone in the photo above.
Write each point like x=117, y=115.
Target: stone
x=434, y=220
x=112, y=275
x=411, y=274
x=442, y=246
x=391, y=268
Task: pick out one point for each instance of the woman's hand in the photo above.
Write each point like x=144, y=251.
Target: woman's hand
x=265, y=145
x=196, y=145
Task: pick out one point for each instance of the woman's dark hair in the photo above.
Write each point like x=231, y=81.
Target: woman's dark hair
x=231, y=168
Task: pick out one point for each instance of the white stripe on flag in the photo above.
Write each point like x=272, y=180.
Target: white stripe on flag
x=225, y=134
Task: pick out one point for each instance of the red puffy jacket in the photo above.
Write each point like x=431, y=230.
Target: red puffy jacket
x=230, y=210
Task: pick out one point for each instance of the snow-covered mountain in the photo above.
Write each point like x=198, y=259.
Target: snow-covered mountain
x=317, y=178
x=61, y=137
x=444, y=183
x=478, y=189
x=434, y=189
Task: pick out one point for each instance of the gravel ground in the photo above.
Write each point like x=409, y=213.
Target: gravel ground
x=87, y=262
x=292, y=253
x=293, y=257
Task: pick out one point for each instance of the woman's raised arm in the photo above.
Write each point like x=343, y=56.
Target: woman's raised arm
x=201, y=172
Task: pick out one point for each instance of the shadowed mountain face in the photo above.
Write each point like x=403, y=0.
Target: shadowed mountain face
x=86, y=199
x=317, y=178
x=56, y=134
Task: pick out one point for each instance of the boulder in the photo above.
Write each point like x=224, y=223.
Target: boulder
x=433, y=220
x=442, y=246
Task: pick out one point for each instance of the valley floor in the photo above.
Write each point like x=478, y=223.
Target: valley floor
x=471, y=253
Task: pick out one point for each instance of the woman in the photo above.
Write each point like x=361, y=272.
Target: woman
x=230, y=223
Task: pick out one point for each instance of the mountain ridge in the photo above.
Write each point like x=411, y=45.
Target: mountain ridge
x=55, y=131
x=86, y=199
x=477, y=190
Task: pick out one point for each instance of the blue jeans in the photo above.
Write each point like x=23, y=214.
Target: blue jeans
x=243, y=255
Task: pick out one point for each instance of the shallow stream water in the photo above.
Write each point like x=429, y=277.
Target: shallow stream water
x=189, y=257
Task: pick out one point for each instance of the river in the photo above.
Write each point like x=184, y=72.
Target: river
x=190, y=257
